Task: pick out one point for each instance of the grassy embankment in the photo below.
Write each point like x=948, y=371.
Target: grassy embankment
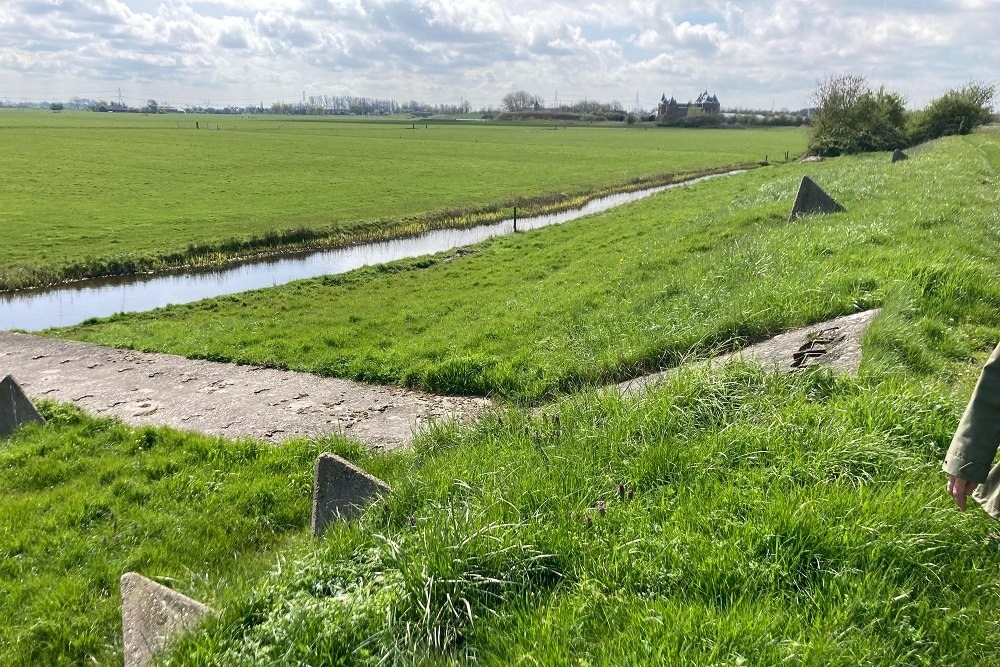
x=735, y=518
x=84, y=500
x=724, y=518
x=613, y=296
x=88, y=194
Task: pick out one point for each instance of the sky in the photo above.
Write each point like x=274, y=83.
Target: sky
x=752, y=54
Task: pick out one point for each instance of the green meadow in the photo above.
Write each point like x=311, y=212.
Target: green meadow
x=88, y=194
x=685, y=273
x=725, y=517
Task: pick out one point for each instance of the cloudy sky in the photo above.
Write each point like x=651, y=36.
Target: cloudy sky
x=753, y=54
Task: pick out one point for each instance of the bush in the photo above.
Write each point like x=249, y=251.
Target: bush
x=852, y=118
x=958, y=111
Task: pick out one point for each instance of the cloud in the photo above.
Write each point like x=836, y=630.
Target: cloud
x=750, y=52
x=704, y=38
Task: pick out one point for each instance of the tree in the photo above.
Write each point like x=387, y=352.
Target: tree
x=520, y=100
x=852, y=118
x=56, y=106
x=958, y=111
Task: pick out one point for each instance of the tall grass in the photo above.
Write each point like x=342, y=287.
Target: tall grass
x=729, y=518
x=84, y=500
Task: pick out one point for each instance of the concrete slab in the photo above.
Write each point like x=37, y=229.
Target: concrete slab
x=835, y=343
x=143, y=388
x=152, y=615
x=340, y=491
x=812, y=199
x=16, y=409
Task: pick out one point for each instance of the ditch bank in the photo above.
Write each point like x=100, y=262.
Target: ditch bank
x=282, y=243
x=73, y=302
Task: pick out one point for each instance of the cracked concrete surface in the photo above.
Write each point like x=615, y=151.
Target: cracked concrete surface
x=143, y=388
x=250, y=401
x=835, y=343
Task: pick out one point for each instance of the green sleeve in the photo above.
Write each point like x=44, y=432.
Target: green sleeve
x=971, y=453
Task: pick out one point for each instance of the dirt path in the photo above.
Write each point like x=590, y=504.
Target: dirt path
x=249, y=401
x=217, y=398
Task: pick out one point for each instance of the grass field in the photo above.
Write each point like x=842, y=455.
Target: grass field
x=730, y=517
x=89, y=194
x=606, y=298
x=85, y=500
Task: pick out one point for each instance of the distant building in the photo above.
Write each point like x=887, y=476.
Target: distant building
x=669, y=110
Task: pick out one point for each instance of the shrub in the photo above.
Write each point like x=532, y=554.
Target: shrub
x=852, y=118
x=958, y=111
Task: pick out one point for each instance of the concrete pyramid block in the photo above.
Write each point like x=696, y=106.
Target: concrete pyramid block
x=16, y=408
x=812, y=199
x=898, y=155
x=340, y=491
x=152, y=615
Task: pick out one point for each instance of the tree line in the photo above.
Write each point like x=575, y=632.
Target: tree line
x=342, y=105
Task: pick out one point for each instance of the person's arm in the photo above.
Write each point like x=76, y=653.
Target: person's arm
x=974, y=446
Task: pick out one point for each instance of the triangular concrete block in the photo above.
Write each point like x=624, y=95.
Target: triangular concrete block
x=16, y=408
x=812, y=199
x=152, y=615
x=898, y=155
x=340, y=491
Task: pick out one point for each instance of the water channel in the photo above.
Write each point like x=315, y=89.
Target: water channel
x=72, y=303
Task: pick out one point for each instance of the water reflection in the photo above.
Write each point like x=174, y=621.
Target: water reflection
x=73, y=303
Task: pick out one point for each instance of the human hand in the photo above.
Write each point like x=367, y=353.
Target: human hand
x=960, y=490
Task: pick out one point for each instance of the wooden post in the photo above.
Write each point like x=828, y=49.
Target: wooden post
x=515, y=219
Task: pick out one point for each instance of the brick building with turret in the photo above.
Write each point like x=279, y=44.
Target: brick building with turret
x=669, y=110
